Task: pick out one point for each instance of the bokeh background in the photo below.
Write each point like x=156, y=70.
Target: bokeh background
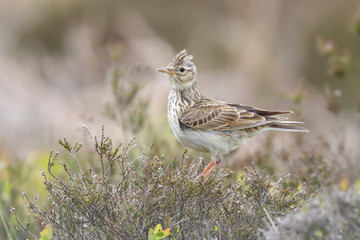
x=58, y=61
x=55, y=58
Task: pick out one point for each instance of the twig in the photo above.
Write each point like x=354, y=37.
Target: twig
x=271, y=221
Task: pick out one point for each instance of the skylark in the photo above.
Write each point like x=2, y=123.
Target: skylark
x=208, y=125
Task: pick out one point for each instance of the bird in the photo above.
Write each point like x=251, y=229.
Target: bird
x=213, y=126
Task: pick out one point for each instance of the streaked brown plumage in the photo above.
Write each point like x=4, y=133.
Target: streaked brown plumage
x=214, y=126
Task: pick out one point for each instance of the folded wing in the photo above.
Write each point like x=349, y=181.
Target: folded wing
x=210, y=115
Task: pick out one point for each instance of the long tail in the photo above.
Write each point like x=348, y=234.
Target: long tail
x=288, y=126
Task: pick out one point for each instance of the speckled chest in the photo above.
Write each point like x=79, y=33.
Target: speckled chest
x=215, y=142
x=175, y=107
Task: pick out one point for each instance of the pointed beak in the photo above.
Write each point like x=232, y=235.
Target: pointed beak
x=166, y=70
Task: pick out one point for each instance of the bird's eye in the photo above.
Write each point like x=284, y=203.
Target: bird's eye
x=182, y=69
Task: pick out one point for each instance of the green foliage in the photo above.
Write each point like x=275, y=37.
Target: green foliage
x=158, y=233
x=46, y=234
x=128, y=196
x=17, y=176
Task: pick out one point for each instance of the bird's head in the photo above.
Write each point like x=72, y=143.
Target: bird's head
x=181, y=70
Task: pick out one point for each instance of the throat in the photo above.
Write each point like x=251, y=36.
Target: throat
x=190, y=95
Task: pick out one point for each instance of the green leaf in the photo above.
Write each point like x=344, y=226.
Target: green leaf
x=46, y=233
x=158, y=233
x=151, y=235
x=158, y=228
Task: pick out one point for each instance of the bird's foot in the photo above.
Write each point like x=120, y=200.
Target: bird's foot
x=209, y=168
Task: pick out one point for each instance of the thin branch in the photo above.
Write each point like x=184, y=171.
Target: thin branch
x=270, y=219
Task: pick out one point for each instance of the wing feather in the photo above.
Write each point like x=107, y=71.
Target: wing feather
x=208, y=115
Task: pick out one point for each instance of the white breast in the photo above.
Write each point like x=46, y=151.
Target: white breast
x=211, y=141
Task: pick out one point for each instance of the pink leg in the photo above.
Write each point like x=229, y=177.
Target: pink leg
x=210, y=170
x=210, y=167
x=207, y=168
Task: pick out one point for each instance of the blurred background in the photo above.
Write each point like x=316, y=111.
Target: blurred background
x=55, y=59
x=65, y=63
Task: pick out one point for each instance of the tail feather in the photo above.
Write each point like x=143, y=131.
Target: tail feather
x=288, y=126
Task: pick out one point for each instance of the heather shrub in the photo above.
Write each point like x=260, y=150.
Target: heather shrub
x=331, y=215
x=125, y=197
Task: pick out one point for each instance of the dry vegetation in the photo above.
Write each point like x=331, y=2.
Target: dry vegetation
x=127, y=196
